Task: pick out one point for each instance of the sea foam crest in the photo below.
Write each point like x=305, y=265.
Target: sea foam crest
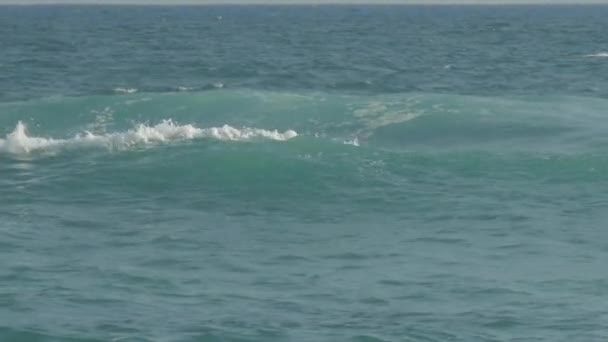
x=598, y=55
x=19, y=142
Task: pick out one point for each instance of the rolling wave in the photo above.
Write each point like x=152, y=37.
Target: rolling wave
x=413, y=121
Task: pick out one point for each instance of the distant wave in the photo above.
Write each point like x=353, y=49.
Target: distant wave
x=19, y=142
x=598, y=55
x=212, y=86
x=166, y=89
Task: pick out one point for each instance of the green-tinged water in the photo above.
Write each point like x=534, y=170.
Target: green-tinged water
x=273, y=183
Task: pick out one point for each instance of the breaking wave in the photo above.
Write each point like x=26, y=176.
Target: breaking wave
x=20, y=142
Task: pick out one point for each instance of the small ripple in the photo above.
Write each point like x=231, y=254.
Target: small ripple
x=26, y=335
x=373, y=301
x=391, y=282
x=367, y=338
x=291, y=257
x=347, y=256
x=502, y=323
x=233, y=268
x=8, y=300
x=442, y=240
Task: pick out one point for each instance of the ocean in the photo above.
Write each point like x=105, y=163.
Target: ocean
x=303, y=173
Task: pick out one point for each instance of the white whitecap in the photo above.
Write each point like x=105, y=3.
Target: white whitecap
x=125, y=90
x=353, y=142
x=19, y=142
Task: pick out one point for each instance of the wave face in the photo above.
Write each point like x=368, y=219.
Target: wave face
x=305, y=144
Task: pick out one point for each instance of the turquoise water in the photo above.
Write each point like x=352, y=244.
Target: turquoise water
x=329, y=173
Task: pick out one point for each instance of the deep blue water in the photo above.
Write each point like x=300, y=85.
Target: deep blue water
x=303, y=173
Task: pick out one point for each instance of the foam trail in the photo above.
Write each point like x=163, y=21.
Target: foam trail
x=18, y=142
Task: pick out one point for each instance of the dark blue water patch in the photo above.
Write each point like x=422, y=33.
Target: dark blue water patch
x=372, y=49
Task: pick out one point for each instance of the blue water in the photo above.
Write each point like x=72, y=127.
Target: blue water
x=303, y=173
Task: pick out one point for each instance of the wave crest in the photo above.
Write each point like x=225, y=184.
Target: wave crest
x=19, y=142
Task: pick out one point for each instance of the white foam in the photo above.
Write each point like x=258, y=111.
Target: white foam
x=598, y=55
x=125, y=90
x=353, y=142
x=18, y=141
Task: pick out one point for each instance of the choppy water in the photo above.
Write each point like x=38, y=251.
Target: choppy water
x=303, y=173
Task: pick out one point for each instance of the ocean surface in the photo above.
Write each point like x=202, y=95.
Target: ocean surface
x=303, y=173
